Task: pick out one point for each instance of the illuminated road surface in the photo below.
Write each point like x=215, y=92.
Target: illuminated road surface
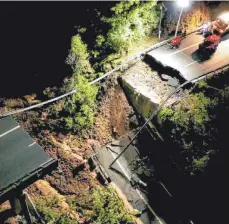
x=187, y=60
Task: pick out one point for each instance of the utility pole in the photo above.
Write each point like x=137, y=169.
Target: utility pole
x=182, y=4
x=159, y=33
x=161, y=13
x=178, y=23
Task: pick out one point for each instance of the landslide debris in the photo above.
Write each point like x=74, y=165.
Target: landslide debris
x=73, y=181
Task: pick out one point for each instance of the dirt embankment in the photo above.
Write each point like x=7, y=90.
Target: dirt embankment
x=112, y=119
x=74, y=180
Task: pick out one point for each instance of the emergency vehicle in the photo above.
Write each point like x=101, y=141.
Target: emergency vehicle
x=210, y=44
x=221, y=25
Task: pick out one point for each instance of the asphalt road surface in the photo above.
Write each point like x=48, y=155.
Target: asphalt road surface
x=187, y=60
x=158, y=202
x=121, y=174
x=20, y=158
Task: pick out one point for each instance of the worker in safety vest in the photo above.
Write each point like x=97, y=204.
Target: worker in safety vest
x=206, y=28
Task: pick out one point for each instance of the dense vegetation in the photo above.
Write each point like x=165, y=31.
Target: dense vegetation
x=103, y=206
x=129, y=22
x=78, y=109
x=193, y=16
x=193, y=126
x=48, y=208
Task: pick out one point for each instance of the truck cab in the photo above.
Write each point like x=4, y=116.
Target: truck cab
x=221, y=25
x=210, y=44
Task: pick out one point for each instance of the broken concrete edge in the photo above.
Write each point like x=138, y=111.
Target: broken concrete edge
x=127, y=204
x=143, y=105
x=105, y=180
x=101, y=174
x=133, y=97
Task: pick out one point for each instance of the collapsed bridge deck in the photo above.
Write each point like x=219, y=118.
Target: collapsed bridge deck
x=145, y=88
x=22, y=161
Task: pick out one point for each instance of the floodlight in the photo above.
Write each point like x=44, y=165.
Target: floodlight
x=183, y=3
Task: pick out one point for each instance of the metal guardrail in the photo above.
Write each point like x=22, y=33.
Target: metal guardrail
x=163, y=104
x=91, y=83
x=211, y=73
x=137, y=56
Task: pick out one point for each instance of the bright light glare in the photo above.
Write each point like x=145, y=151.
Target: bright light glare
x=225, y=17
x=168, y=60
x=183, y=3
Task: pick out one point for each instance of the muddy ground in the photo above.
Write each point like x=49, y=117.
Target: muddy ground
x=112, y=119
x=74, y=180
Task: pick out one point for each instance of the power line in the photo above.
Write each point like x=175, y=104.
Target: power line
x=61, y=96
x=91, y=83
x=157, y=110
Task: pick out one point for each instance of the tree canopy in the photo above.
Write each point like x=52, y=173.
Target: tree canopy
x=78, y=110
x=190, y=126
x=131, y=21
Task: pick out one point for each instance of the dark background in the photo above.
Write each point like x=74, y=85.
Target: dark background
x=34, y=42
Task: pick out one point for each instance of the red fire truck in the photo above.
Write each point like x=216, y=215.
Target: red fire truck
x=210, y=44
x=219, y=27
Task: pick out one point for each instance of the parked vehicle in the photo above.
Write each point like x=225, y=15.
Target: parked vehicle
x=176, y=42
x=210, y=44
x=221, y=25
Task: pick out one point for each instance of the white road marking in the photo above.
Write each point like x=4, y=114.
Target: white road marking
x=165, y=188
x=156, y=216
x=7, y=132
x=185, y=48
x=32, y=144
x=187, y=56
x=194, y=62
x=141, y=196
x=127, y=176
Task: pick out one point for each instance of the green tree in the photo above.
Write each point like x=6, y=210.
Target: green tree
x=108, y=208
x=79, y=108
x=78, y=58
x=131, y=21
x=189, y=125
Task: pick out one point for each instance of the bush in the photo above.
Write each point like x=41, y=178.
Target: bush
x=189, y=126
x=190, y=113
x=79, y=108
x=130, y=22
x=78, y=58
x=200, y=164
x=49, y=209
x=104, y=206
x=100, y=40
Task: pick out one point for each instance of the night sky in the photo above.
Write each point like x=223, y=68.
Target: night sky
x=35, y=39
